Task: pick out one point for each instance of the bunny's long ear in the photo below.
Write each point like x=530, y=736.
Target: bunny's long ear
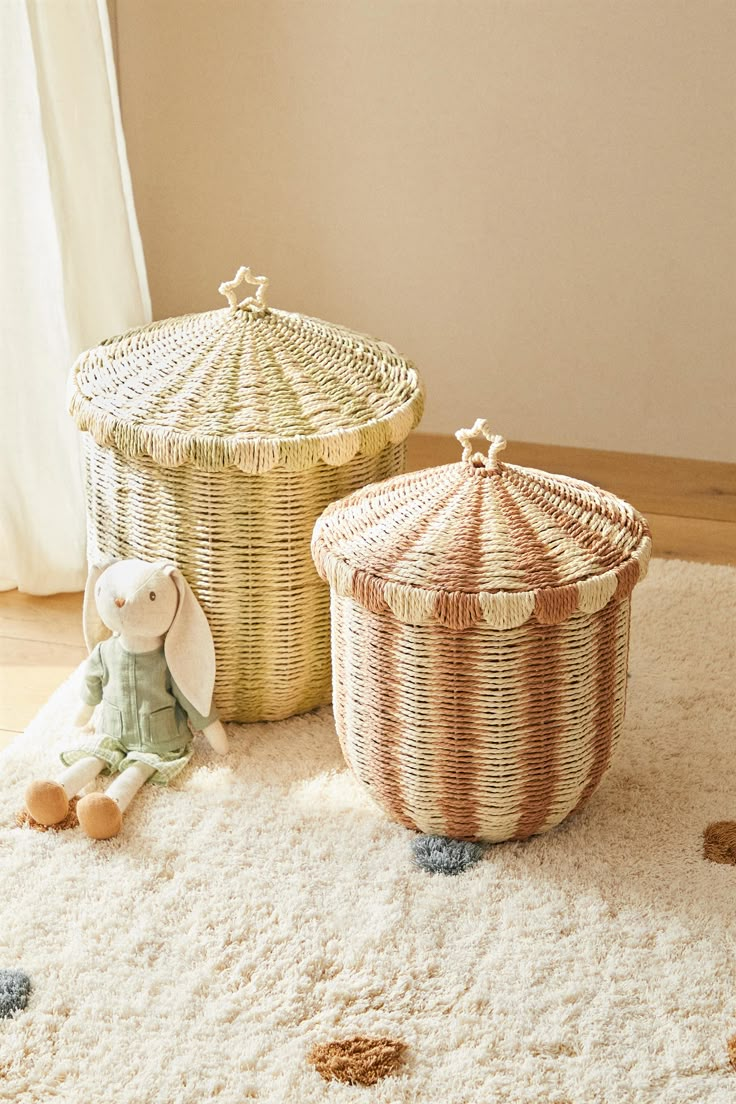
x=189, y=648
x=94, y=627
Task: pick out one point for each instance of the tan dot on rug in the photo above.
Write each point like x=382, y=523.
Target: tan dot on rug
x=357, y=1061
x=24, y=819
x=719, y=842
x=731, y=1048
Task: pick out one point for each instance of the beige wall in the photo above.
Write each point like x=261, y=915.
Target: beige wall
x=535, y=199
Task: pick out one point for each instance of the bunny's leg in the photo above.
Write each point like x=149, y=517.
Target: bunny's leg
x=48, y=802
x=128, y=782
x=101, y=814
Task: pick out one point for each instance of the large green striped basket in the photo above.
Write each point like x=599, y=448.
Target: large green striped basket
x=216, y=440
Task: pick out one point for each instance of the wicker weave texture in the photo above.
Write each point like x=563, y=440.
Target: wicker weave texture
x=216, y=440
x=481, y=733
x=463, y=544
x=480, y=620
x=256, y=390
x=242, y=541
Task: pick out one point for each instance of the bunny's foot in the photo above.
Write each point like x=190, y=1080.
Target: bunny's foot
x=47, y=802
x=99, y=816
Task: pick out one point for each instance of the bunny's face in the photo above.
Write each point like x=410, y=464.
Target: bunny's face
x=137, y=598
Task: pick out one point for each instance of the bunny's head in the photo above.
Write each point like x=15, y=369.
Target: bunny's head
x=153, y=600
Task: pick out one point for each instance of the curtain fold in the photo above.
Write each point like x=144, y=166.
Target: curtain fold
x=71, y=270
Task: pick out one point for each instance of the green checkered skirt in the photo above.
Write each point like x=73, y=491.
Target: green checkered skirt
x=117, y=757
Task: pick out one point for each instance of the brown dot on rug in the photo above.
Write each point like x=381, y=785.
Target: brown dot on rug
x=731, y=1049
x=360, y=1060
x=719, y=842
x=24, y=819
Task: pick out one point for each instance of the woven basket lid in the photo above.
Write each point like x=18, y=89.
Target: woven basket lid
x=247, y=386
x=481, y=541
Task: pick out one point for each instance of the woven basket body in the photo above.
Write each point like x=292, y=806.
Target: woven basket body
x=220, y=455
x=480, y=620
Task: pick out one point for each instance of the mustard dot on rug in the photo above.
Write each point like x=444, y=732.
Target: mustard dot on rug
x=360, y=1060
x=719, y=842
x=731, y=1049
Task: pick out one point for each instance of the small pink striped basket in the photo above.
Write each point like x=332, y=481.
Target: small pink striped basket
x=480, y=632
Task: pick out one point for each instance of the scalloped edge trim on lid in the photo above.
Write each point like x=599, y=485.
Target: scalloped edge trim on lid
x=461, y=610
x=253, y=455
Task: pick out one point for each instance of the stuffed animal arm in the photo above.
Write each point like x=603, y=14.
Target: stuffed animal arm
x=84, y=716
x=151, y=669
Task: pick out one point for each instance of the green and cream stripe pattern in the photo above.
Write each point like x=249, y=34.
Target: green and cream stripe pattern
x=118, y=756
x=216, y=440
x=480, y=617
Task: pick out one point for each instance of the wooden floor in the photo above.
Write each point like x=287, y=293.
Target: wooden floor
x=690, y=504
x=41, y=643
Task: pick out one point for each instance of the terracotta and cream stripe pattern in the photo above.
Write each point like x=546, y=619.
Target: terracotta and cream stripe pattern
x=461, y=544
x=486, y=734
x=216, y=440
x=480, y=619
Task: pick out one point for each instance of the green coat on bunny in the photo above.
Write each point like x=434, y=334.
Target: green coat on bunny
x=144, y=713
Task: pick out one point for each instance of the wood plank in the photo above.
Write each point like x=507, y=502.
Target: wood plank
x=30, y=671
x=55, y=618
x=693, y=539
x=654, y=484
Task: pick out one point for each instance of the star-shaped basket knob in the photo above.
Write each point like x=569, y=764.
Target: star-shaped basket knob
x=255, y=302
x=496, y=443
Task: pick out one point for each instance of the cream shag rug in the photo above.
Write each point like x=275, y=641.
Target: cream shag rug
x=263, y=905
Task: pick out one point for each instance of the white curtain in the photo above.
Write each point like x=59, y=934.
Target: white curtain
x=71, y=269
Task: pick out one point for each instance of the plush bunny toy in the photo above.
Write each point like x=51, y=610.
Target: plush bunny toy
x=156, y=671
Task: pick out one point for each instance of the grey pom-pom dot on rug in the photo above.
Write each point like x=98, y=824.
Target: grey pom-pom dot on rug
x=440, y=855
x=15, y=988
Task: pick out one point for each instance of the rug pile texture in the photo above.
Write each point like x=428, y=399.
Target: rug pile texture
x=262, y=907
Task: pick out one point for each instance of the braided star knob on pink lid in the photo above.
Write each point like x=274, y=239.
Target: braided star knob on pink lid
x=497, y=443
